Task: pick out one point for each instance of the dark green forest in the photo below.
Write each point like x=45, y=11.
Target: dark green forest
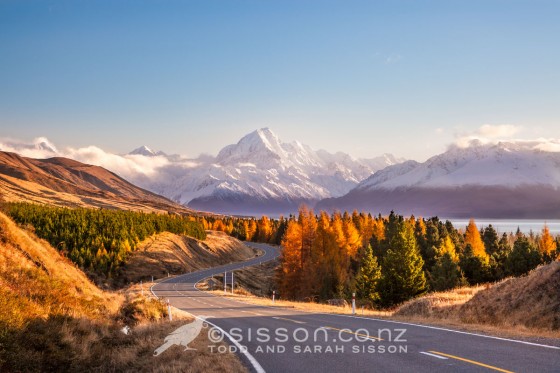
x=97, y=240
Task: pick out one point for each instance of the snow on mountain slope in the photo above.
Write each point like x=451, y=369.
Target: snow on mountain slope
x=258, y=175
x=509, y=164
x=143, y=150
x=507, y=179
x=262, y=174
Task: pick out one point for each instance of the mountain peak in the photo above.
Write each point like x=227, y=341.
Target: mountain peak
x=264, y=136
x=143, y=150
x=261, y=144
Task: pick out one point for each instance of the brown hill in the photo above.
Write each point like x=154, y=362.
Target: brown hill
x=170, y=253
x=530, y=302
x=65, y=182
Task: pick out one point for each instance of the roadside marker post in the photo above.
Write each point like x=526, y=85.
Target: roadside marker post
x=169, y=311
x=273, y=295
x=225, y=282
x=231, y=282
x=353, y=303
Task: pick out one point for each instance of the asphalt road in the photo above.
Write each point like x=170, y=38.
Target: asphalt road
x=275, y=339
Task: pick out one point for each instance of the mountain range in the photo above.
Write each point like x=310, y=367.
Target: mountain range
x=263, y=175
x=516, y=179
x=66, y=182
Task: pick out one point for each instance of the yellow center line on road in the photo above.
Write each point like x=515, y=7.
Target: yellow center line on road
x=351, y=332
x=471, y=362
x=283, y=318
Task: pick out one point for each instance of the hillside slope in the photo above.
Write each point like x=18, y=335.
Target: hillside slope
x=168, y=253
x=65, y=182
x=528, y=302
x=53, y=319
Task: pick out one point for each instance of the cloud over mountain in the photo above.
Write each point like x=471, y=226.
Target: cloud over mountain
x=259, y=174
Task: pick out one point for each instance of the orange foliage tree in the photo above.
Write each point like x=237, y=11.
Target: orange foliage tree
x=472, y=237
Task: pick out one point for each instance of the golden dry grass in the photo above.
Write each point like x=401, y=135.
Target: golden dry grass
x=438, y=305
x=52, y=318
x=168, y=253
x=522, y=306
x=17, y=190
x=531, y=301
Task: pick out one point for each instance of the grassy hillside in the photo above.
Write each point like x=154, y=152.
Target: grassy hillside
x=65, y=182
x=98, y=241
x=52, y=318
x=175, y=254
x=525, y=303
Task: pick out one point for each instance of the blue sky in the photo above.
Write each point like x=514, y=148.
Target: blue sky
x=364, y=77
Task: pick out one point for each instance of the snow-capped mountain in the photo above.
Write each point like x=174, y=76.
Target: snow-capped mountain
x=39, y=146
x=262, y=174
x=143, y=150
x=147, y=152
x=508, y=179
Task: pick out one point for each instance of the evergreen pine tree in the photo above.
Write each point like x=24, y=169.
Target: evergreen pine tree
x=402, y=274
x=368, y=277
x=445, y=274
x=523, y=258
x=490, y=239
x=475, y=268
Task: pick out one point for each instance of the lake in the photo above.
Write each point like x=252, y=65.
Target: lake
x=511, y=225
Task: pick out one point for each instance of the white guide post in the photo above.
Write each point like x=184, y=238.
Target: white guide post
x=169, y=311
x=225, y=282
x=353, y=303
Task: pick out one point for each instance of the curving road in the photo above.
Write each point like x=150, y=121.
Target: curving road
x=275, y=339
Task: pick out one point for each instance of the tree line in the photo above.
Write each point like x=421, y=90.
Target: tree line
x=98, y=240
x=387, y=260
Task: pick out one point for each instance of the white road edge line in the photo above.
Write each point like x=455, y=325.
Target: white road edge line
x=411, y=324
x=258, y=368
x=450, y=330
x=398, y=322
x=434, y=355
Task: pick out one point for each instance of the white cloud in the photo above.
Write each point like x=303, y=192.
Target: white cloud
x=137, y=169
x=548, y=145
x=490, y=131
x=504, y=133
x=487, y=134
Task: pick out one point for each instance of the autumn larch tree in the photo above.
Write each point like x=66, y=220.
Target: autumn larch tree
x=547, y=245
x=472, y=237
x=291, y=269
